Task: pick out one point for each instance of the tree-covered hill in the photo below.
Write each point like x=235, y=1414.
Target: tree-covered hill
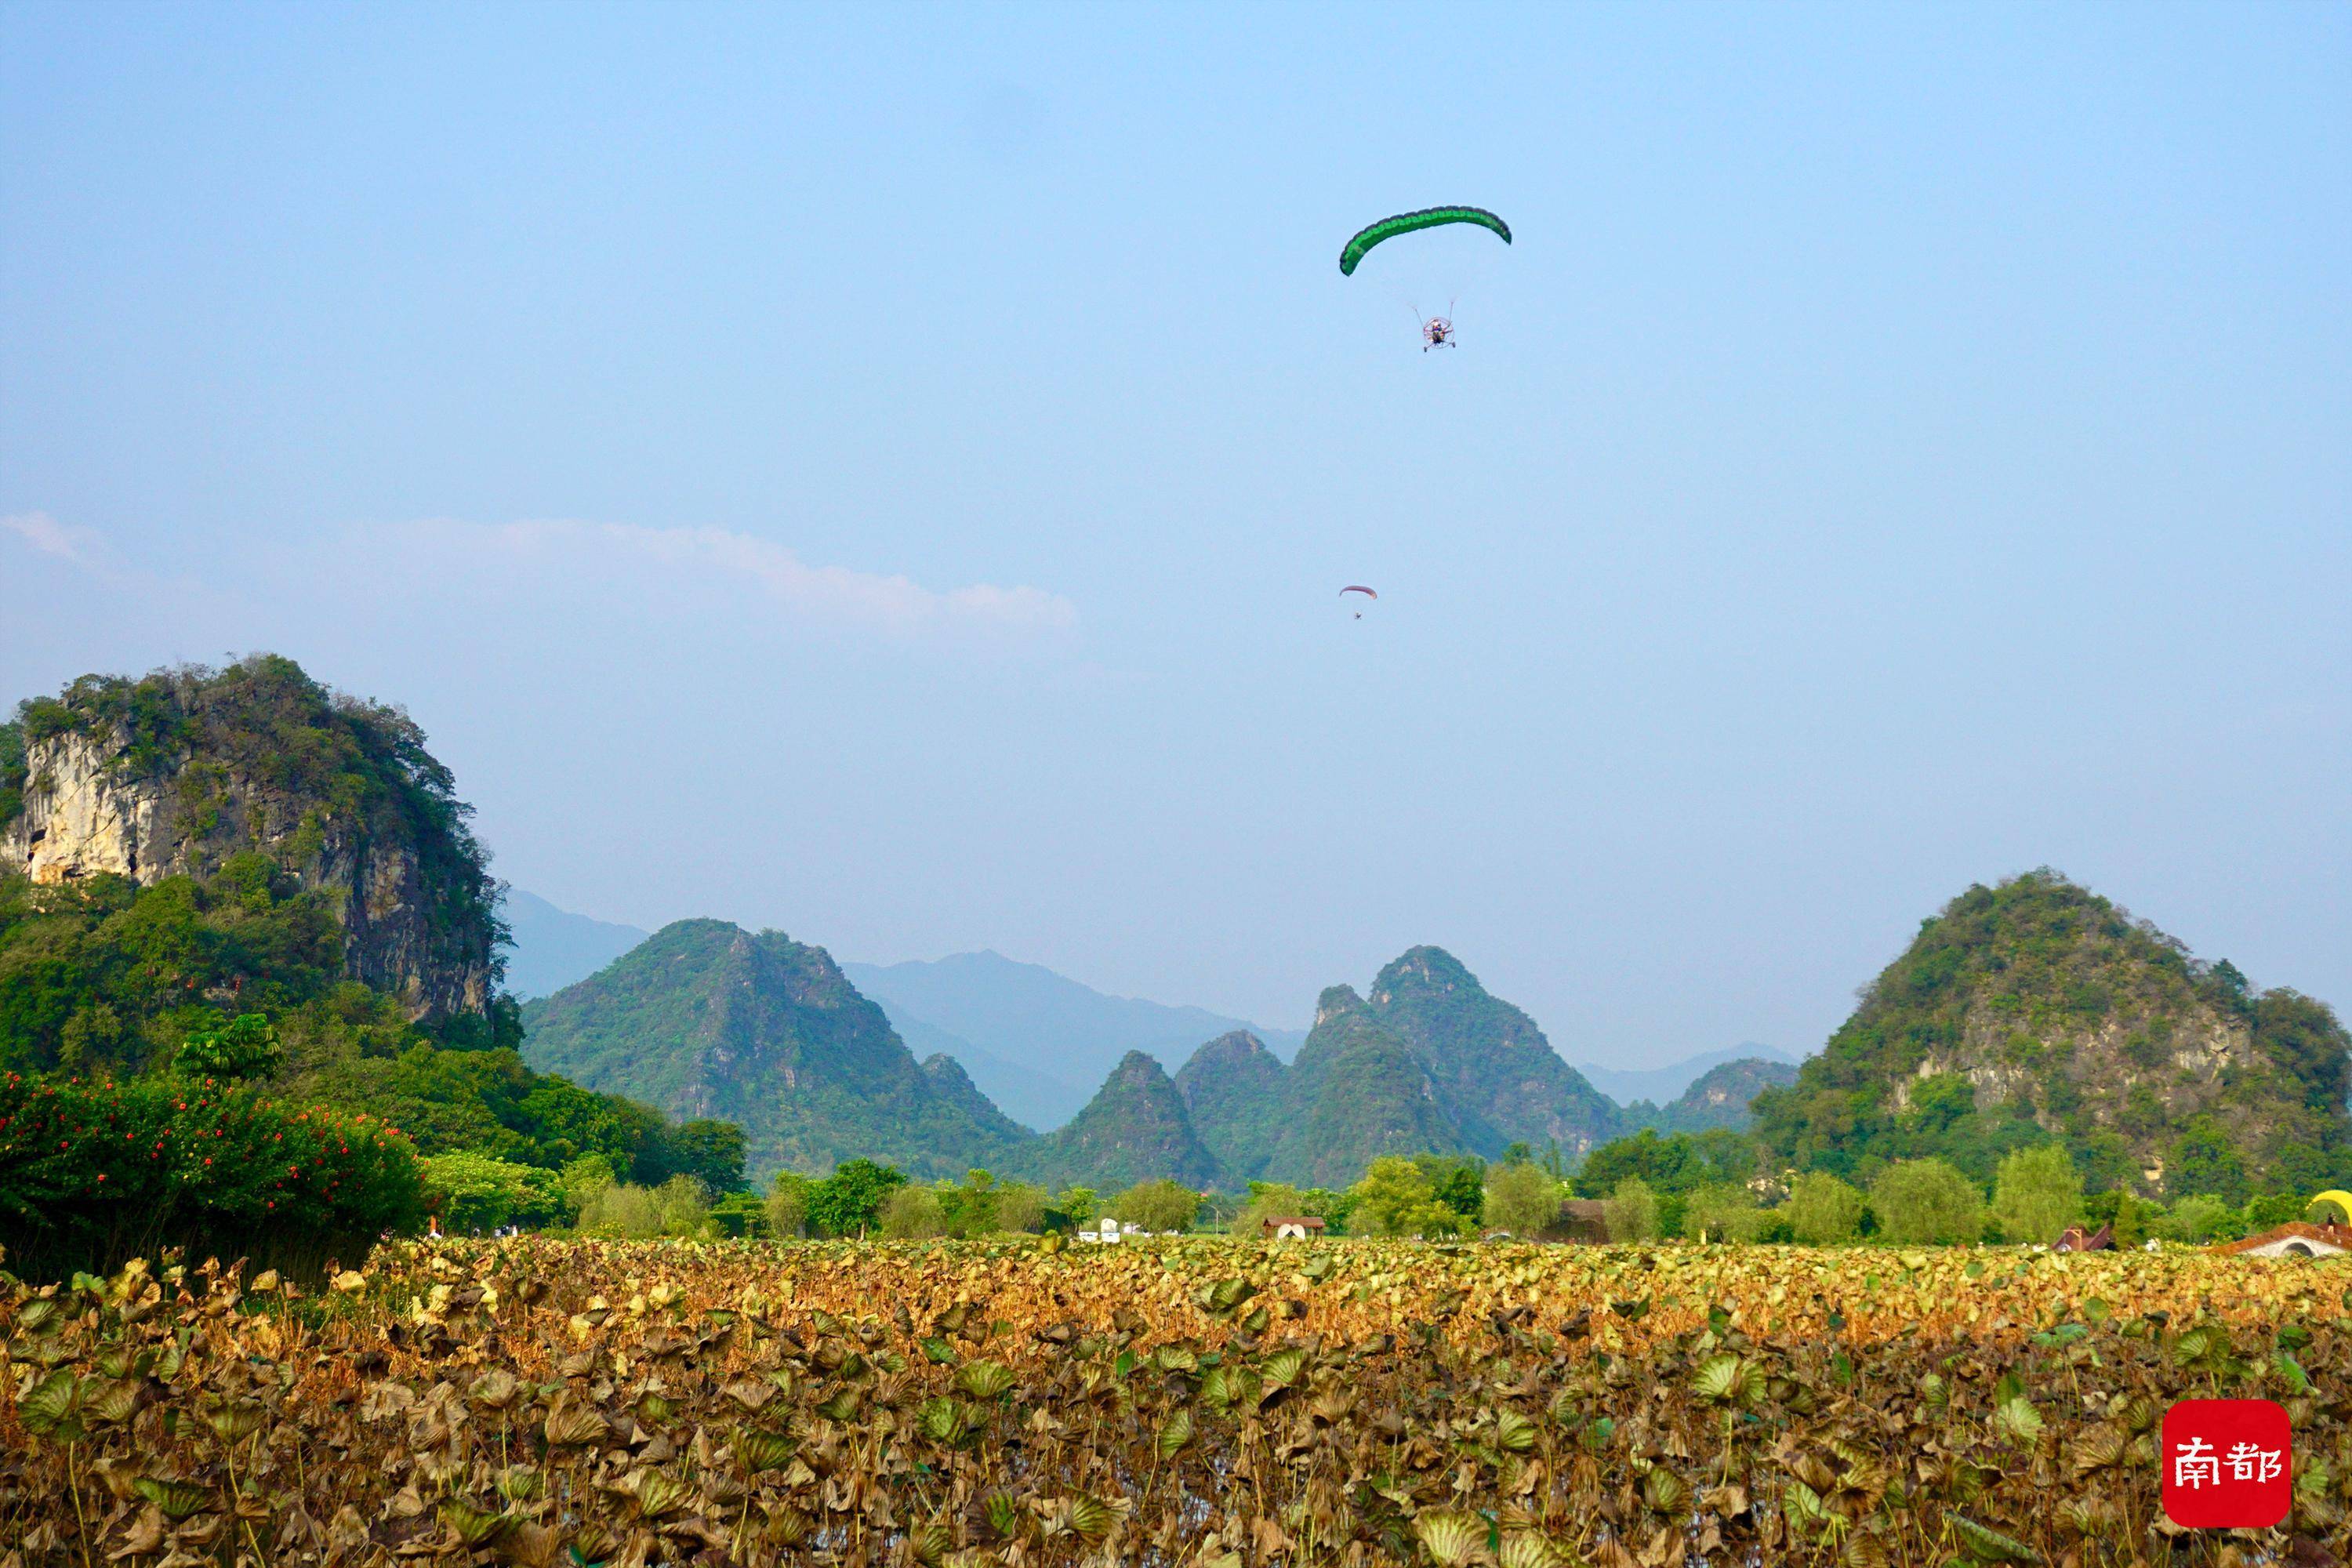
x=1357, y=1090
x=1233, y=1088
x=1134, y=1128
x=1500, y=1080
x=2036, y=1009
x=706, y=1019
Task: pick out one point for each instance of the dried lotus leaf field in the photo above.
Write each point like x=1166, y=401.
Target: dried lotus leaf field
x=539, y=1402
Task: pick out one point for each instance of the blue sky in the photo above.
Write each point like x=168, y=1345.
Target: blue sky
x=886, y=474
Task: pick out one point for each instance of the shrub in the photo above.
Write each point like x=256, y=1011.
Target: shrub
x=1922, y=1200
x=93, y=1174
x=970, y=1208
x=247, y=1046
x=623, y=1210
x=1159, y=1207
x=1631, y=1211
x=2037, y=1193
x=679, y=1207
x=582, y=1178
x=741, y=1216
x=1521, y=1198
x=1821, y=1210
x=913, y=1214
x=1723, y=1212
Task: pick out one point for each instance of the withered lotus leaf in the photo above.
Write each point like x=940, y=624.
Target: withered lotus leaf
x=559, y=1404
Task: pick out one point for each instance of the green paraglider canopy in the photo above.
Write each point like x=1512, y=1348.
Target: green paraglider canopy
x=1406, y=223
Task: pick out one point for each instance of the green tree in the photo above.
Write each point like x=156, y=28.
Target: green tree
x=2199, y=1217
x=706, y=1148
x=2037, y=1193
x=1630, y=1212
x=1821, y=1210
x=1722, y=1211
x=1078, y=1206
x=970, y=1209
x=913, y=1214
x=2205, y=1160
x=1396, y=1197
x=788, y=1205
x=1522, y=1198
x=2120, y=1208
x=679, y=1207
x=246, y=1046
x=1159, y=1207
x=1923, y=1201
x=849, y=1202
x=582, y=1178
x=1457, y=1181
x=474, y=1193
x=1019, y=1207
x=1672, y=1164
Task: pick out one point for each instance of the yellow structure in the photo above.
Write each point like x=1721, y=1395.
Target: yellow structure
x=2342, y=1200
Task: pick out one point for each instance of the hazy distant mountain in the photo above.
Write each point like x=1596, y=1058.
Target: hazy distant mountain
x=1721, y=1097
x=1661, y=1085
x=554, y=947
x=1037, y=1043
x=1430, y=1062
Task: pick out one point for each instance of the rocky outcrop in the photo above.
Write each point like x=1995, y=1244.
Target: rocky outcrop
x=165, y=777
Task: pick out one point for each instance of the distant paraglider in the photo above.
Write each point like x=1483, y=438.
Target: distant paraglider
x=1358, y=588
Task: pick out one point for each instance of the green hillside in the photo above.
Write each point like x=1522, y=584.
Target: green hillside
x=1356, y=1090
x=1134, y=1129
x=1233, y=1088
x=2037, y=1008
x=1501, y=1081
x=704, y=1019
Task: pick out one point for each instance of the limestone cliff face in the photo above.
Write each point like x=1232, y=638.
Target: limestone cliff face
x=108, y=788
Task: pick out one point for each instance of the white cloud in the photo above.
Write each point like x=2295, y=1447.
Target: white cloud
x=80, y=546
x=655, y=561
